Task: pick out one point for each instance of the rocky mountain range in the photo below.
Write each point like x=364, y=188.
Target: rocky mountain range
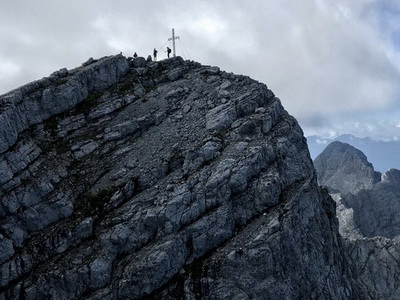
x=132, y=179
x=368, y=207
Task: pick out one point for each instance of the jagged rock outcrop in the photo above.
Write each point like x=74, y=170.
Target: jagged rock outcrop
x=369, y=219
x=42, y=99
x=342, y=167
x=161, y=180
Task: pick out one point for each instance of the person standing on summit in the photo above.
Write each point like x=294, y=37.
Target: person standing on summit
x=168, y=51
x=155, y=54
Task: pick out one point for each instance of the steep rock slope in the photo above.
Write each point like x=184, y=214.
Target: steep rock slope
x=375, y=264
x=369, y=219
x=161, y=180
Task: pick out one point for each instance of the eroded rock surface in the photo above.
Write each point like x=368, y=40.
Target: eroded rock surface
x=167, y=180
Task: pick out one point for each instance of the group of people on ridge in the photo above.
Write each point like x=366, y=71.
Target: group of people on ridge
x=155, y=53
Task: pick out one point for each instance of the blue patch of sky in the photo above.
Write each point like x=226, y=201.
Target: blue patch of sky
x=386, y=15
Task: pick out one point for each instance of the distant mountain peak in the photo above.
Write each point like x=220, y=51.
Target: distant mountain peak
x=373, y=198
x=382, y=154
x=345, y=168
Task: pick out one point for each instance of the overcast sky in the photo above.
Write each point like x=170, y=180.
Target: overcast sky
x=335, y=64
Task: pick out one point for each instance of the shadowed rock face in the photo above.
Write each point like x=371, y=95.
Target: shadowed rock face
x=376, y=210
x=167, y=180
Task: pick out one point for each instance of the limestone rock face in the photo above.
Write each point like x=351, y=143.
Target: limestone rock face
x=375, y=267
x=42, y=99
x=342, y=167
x=166, y=180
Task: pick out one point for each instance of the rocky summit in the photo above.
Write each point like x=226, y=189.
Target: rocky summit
x=131, y=179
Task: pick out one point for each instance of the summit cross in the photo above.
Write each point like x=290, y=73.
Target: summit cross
x=173, y=42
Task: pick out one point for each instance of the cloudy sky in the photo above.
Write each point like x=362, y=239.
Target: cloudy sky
x=335, y=64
